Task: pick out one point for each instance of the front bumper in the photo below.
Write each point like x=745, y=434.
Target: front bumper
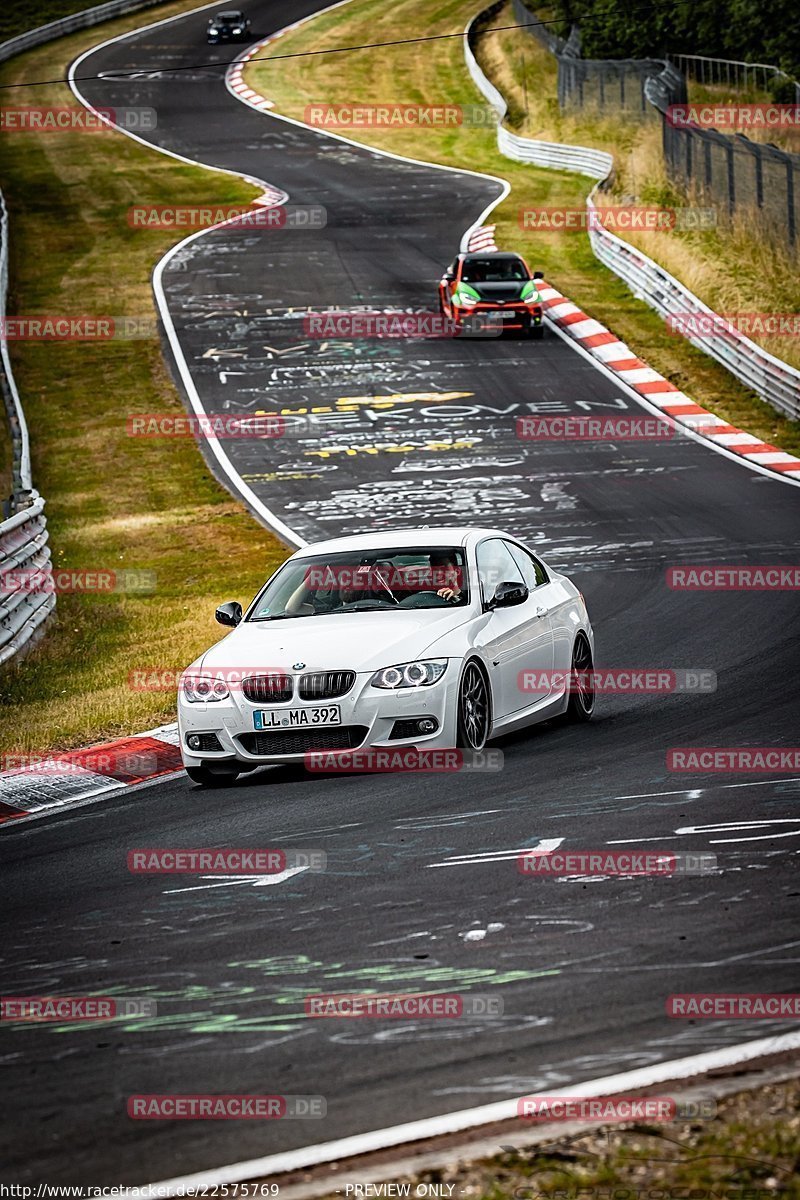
x=497, y=318
x=370, y=712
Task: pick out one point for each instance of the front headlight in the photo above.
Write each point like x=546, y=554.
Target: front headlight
x=413, y=674
x=203, y=689
x=465, y=301
x=237, y=29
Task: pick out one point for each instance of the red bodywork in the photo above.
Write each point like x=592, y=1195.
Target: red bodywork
x=525, y=316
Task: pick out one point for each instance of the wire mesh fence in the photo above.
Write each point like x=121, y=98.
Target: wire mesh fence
x=727, y=170
x=614, y=84
x=739, y=76
x=735, y=173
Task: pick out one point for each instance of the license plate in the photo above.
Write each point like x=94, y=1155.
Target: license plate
x=297, y=718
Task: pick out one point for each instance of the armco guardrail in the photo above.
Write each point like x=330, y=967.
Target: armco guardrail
x=594, y=163
x=26, y=599
x=71, y=24
x=25, y=572
x=25, y=575
x=769, y=377
x=17, y=425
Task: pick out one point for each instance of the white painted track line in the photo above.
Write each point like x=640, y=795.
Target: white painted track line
x=470, y=1118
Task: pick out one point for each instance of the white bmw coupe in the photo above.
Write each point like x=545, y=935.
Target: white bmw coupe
x=435, y=638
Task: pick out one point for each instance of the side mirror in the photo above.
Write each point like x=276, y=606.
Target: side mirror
x=509, y=594
x=230, y=613
x=538, y=274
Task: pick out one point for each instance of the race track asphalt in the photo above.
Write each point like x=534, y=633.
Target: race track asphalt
x=583, y=967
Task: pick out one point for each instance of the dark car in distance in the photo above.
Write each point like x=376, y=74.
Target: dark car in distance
x=229, y=26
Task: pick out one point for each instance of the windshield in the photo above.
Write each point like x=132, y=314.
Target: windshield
x=493, y=270
x=370, y=581
x=230, y=18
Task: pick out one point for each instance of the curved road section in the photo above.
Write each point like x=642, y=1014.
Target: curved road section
x=421, y=890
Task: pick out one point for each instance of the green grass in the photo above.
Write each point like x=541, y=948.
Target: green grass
x=18, y=16
x=747, y=1152
x=434, y=73
x=113, y=502
x=741, y=267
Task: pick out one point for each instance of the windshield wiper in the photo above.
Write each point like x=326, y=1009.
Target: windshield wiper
x=284, y=617
x=366, y=608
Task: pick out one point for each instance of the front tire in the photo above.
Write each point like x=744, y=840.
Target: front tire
x=581, y=699
x=474, y=709
x=209, y=778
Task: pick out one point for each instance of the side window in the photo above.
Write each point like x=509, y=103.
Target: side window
x=495, y=565
x=532, y=570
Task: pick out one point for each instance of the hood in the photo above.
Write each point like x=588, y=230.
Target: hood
x=499, y=291
x=346, y=641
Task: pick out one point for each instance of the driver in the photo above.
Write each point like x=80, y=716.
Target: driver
x=445, y=566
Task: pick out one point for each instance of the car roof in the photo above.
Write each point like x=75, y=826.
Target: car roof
x=434, y=535
x=493, y=254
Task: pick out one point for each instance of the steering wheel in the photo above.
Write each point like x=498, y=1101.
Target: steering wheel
x=424, y=600
x=359, y=604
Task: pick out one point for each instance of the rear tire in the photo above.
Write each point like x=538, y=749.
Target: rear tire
x=581, y=700
x=208, y=777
